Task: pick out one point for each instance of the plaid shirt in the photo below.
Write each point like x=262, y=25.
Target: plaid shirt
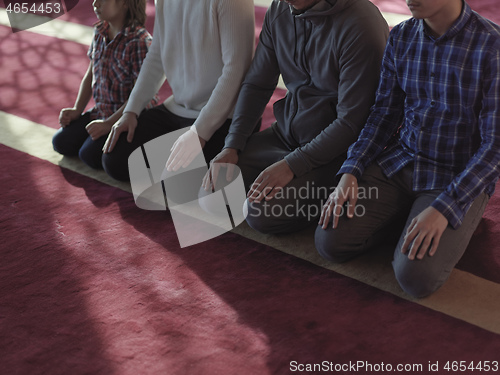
x=116, y=65
x=438, y=107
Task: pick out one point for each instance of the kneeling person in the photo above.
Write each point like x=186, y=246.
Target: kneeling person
x=431, y=147
x=328, y=53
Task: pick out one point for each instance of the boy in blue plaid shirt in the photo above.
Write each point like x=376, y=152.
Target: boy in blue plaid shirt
x=430, y=151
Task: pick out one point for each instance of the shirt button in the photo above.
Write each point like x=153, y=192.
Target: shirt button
x=433, y=103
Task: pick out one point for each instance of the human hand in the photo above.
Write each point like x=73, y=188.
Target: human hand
x=228, y=157
x=184, y=150
x=346, y=191
x=67, y=115
x=98, y=128
x=424, y=233
x=270, y=181
x=126, y=123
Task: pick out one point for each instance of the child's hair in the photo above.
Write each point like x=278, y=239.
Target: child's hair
x=136, y=13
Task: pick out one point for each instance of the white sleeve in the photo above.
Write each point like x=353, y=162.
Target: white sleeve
x=237, y=36
x=152, y=75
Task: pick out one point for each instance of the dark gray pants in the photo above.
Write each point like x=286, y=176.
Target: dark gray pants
x=299, y=204
x=387, y=204
x=153, y=123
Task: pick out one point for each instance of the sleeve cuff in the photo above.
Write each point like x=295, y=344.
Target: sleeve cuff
x=130, y=107
x=236, y=141
x=297, y=163
x=450, y=209
x=353, y=167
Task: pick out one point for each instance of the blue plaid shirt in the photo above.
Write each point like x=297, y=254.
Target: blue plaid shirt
x=438, y=107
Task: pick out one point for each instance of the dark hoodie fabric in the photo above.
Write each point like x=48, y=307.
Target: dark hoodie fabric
x=329, y=58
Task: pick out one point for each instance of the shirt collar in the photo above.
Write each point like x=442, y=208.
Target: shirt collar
x=102, y=28
x=457, y=26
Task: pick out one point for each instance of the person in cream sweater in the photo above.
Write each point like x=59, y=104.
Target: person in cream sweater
x=203, y=49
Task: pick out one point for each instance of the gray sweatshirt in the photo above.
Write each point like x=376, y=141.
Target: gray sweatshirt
x=329, y=57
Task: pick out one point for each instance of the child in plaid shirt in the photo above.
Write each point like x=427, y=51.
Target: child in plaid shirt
x=116, y=54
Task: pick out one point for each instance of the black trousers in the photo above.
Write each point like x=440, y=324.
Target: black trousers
x=153, y=123
x=299, y=203
x=74, y=140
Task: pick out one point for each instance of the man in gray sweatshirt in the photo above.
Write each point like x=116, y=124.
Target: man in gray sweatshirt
x=329, y=54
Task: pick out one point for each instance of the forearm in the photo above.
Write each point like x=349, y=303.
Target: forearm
x=151, y=75
x=237, y=34
x=85, y=90
x=116, y=116
x=481, y=173
x=149, y=81
x=373, y=139
x=386, y=115
x=250, y=106
x=256, y=91
x=323, y=149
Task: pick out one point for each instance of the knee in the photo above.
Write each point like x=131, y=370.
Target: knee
x=260, y=217
x=257, y=219
x=332, y=246
x=416, y=279
x=116, y=166
x=92, y=159
x=61, y=144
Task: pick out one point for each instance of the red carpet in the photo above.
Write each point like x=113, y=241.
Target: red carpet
x=40, y=75
x=89, y=284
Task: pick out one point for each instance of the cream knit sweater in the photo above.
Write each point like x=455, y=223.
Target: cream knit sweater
x=203, y=48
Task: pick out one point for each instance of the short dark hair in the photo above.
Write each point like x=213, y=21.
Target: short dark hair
x=136, y=13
